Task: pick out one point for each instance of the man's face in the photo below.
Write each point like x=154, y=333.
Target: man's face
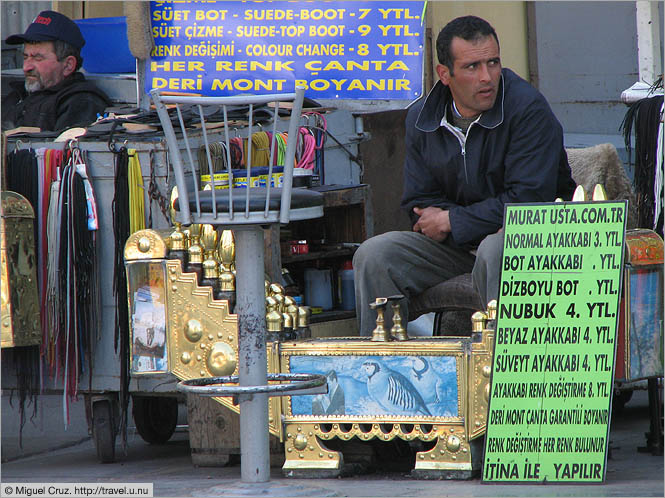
x=41, y=67
x=474, y=81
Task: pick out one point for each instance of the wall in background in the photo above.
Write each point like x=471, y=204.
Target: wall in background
x=582, y=55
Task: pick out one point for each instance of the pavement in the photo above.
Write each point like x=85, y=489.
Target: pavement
x=51, y=454
x=44, y=429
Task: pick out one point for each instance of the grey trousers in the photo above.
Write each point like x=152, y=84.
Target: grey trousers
x=409, y=262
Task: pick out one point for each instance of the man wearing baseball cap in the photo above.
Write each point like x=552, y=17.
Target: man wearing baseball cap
x=55, y=95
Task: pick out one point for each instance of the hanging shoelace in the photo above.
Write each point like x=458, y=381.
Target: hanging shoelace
x=50, y=318
x=21, y=177
x=280, y=141
x=76, y=316
x=305, y=149
x=217, y=156
x=261, y=148
x=237, y=153
x=121, y=232
x=644, y=115
x=136, y=190
x=318, y=129
x=48, y=168
x=91, y=300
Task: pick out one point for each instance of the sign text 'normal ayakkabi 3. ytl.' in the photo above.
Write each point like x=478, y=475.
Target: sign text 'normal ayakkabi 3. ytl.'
x=557, y=314
x=337, y=50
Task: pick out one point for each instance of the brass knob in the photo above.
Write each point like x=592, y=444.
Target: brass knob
x=397, y=331
x=491, y=310
x=304, y=313
x=275, y=321
x=478, y=320
x=380, y=334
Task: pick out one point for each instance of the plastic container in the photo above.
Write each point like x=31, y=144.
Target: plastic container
x=302, y=177
x=318, y=288
x=347, y=287
x=259, y=177
x=106, y=48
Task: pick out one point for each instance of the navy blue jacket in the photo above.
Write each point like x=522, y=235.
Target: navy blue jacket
x=74, y=101
x=513, y=153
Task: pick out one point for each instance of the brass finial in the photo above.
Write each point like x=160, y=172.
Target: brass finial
x=274, y=321
x=271, y=304
x=227, y=281
x=209, y=243
x=288, y=301
x=397, y=331
x=210, y=269
x=288, y=325
x=491, y=310
x=579, y=195
x=478, y=320
x=177, y=238
x=226, y=250
x=380, y=334
x=599, y=193
x=276, y=288
x=304, y=313
x=302, y=330
x=194, y=249
x=292, y=310
x=288, y=321
x=172, y=212
x=208, y=240
x=280, y=301
x=288, y=333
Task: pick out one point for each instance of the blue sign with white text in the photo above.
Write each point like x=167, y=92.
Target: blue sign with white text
x=337, y=50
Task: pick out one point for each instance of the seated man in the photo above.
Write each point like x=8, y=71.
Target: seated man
x=482, y=138
x=55, y=96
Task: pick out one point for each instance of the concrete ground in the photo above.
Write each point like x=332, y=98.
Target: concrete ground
x=52, y=455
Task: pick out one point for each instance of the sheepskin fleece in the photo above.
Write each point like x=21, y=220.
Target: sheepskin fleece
x=601, y=164
x=139, y=36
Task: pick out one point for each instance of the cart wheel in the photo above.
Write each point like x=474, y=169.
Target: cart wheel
x=155, y=417
x=102, y=431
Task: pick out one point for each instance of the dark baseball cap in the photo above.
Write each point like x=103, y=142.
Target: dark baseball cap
x=50, y=26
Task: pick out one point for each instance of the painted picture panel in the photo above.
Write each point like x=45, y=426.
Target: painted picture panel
x=147, y=317
x=408, y=386
x=646, y=322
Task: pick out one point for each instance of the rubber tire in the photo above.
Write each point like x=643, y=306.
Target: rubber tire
x=102, y=431
x=155, y=417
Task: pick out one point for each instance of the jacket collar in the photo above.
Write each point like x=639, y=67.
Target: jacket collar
x=436, y=103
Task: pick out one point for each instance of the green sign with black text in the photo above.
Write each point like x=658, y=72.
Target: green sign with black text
x=549, y=408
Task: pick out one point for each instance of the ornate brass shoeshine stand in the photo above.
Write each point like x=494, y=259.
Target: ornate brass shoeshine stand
x=202, y=344
x=20, y=319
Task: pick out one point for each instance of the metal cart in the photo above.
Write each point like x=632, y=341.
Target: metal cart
x=150, y=395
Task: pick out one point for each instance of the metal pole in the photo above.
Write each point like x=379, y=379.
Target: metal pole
x=252, y=362
x=648, y=41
